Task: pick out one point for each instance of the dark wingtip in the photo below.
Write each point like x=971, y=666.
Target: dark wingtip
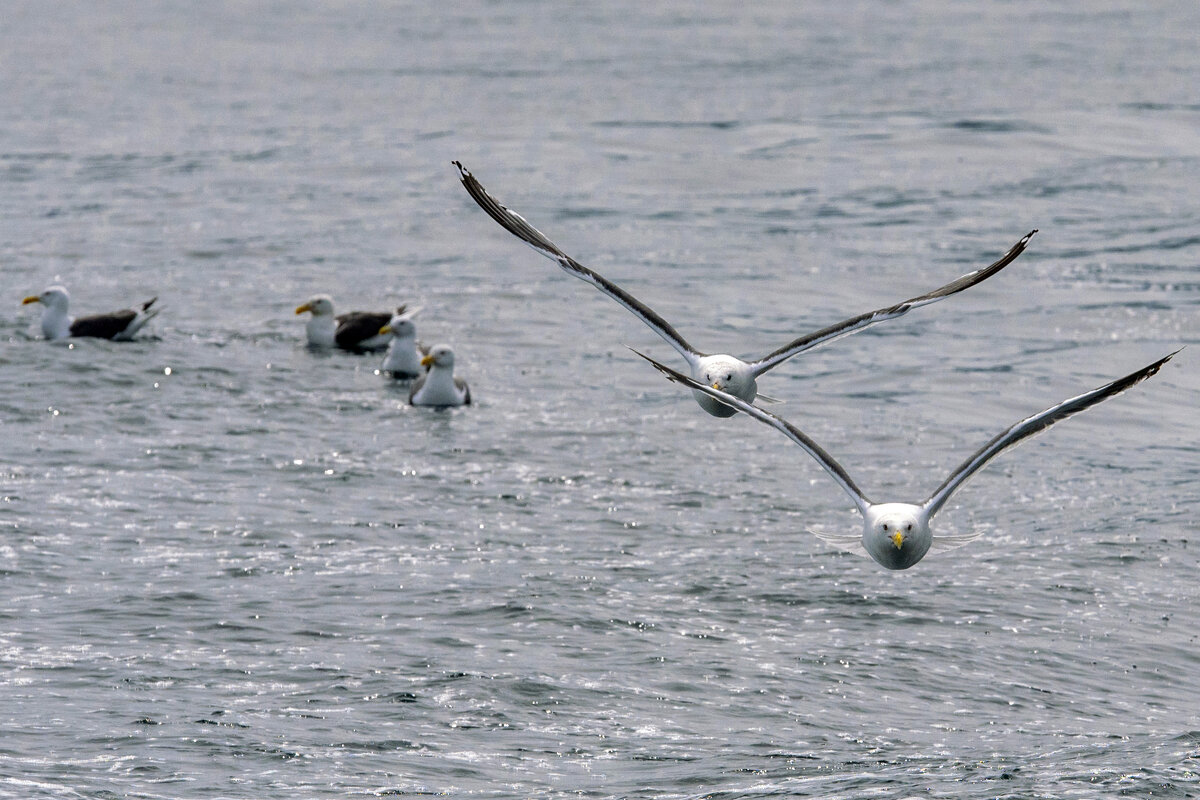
x=463, y=172
x=1008, y=257
x=665, y=370
x=1134, y=378
x=1153, y=368
x=1020, y=246
x=637, y=352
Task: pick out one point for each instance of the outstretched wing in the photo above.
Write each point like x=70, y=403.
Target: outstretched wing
x=515, y=224
x=835, y=470
x=1033, y=425
x=863, y=321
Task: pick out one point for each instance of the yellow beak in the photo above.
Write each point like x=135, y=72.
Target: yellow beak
x=898, y=539
x=385, y=330
x=717, y=386
x=303, y=308
x=33, y=298
x=426, y=361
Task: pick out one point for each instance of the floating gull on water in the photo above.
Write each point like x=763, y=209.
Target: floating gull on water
x=116, y=325
x=355, y=331
x=724, y=372
x=897, y=535
x=438, y=387
x=403, y=359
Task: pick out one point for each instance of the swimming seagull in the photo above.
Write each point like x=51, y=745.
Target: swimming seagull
x=897, y=535
x=721, y=371
x=116, y=325
x=355, y=331
x=438, y=387
x=403, y=359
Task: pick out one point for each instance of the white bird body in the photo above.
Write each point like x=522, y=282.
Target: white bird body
x=403, y=360
x=56, y=320
x=320, y=330
x=404, y=353
x=439, y=387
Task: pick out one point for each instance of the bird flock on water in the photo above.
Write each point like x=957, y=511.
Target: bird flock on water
x=897, y=535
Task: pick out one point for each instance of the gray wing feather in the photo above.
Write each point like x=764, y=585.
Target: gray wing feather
x=835, y=470
x=863, y=321
x=1034, y=425
x=515, y=224
x=416, y=387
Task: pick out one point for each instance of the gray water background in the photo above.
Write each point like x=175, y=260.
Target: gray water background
x=231, y=567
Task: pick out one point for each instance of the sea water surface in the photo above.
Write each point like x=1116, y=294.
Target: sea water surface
x=232, y=567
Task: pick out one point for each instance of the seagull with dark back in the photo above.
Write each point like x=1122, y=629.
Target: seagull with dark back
x=355, y=331
x=120, y=326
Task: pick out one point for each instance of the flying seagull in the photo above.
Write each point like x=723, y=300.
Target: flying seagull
x=723, y=372
x=897, y=535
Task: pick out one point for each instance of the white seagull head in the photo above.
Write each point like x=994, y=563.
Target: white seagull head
x=896, y=535
x=55, y=297
x=725, y=374
x=401, y=325
x=319, y=305
x=439, y=356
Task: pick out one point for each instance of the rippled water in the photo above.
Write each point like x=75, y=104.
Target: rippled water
x=231, y=567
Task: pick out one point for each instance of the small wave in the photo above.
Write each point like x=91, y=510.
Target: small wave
x=996, y=126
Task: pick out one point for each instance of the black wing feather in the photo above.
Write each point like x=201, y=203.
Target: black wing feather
x=355, y=327
x=1033, y=425
x=104, y=326
x=863, y=321
x=515, y=224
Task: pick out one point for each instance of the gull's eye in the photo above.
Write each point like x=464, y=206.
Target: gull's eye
x=908, y=527
x=728, y=378
x=885, y=526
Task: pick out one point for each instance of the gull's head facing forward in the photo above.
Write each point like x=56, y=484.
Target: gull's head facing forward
x=439, y=356
x=725, y=374
x=319, y=305
x=54, y=297
x=400, y=326
x=896, y=535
